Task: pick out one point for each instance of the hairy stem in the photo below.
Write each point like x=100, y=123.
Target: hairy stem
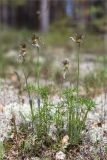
x=78, y=69
x=29, y=95
x=38, y=70
x=78, y=76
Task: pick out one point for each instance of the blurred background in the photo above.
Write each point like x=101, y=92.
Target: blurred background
x=54, y=21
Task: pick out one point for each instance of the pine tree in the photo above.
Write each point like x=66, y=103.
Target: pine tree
x=44, y=15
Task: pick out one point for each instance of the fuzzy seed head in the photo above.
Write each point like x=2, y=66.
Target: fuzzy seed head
x=23, y=49
x=65, y=67
x=22, y=54
x=66, y=64
x=79, y=38
x=35, y=41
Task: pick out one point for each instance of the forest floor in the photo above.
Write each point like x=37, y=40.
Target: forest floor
x=94, y=140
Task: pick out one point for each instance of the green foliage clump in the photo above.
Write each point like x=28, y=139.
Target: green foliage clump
x=77, y=110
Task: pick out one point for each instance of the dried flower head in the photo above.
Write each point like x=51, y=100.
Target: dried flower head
x=35, y=41
x=66, y=64
x=65, y=140
x=65, y=67
x=22, y=52
x=23, y=49
x=78, y=38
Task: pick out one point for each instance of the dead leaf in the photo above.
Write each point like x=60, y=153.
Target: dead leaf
x=65, y=140
x=1, y=108
x=13, y=78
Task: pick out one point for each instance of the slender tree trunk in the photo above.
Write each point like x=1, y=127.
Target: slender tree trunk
x=69, y=8
x=44, y=15
x=5, y=13
x=13, y=15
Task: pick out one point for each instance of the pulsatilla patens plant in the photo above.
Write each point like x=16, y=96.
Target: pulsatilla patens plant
x=41, y=117
x=69, y=114
x=53, y=124
x=22, y=58
x=77, y=107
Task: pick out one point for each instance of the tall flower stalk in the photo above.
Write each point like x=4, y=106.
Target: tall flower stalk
x=35, y=43
x=78, y=68
x=78, y=40
x=23, y=60
x=65, y=67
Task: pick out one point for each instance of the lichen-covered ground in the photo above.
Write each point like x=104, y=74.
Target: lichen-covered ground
x=94, y=138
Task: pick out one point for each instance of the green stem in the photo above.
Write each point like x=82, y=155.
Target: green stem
x=46, y=115
x=78, y=69
x=38, y=85
x=78, y=76
x=104, y=89
x=38, y=71
x=29, y=95
x=70, y=115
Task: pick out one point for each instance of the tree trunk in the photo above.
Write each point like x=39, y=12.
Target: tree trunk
x=13, y=15
x=5, y=13
x=44, y=15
